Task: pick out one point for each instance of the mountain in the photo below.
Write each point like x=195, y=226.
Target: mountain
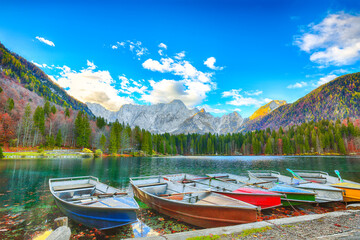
x=337, y=99
x=13, y=66
x=267, y=108
x=203, y=122
x=173, y=117
x=157, y=118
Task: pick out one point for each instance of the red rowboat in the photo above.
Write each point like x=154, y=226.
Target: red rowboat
x=255, y=196
x=192, y=205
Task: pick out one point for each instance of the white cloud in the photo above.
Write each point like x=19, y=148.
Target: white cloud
x=160, y=52
x=135, y=47
x=210, y=63
x=325, y=79
x=162, y=45
x=44, y=65
x=90, y=85
x=237, y=110
x=90, y=65
x=239, y=100
x=192, y=88
x=180, y=55
x=127, y=88
x=164, y=91
x=212, y=110
x=334, y=41
x=253, y=92
x=47, y=42
x=298, y=85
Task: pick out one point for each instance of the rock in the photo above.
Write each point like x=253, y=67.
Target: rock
x=61, y=233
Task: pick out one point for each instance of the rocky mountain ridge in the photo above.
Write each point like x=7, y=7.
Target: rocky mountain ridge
x=173, y=117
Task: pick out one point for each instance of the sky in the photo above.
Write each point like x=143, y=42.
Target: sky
x=222, y=56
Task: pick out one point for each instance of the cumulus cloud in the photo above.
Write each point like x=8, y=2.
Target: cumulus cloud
x=180, y=55
x=91, y=85
x=210, y=63
x=162, y=45
x=136, y=47
x=130, y=86
x=239, y=100
x=212, y=110
x=298, y=85
x=192, y=88
x=253, y=92
x=325, y=79
x=44, y=65
x=47, y=42
x=334, y=41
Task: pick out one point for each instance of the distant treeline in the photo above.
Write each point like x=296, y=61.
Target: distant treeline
x=28, y=124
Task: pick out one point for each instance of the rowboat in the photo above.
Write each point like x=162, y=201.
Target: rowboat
x=255, y=196
x=351, y=190
x=195, y=206
x=289, y=195
x=324, y=193
x=92, y=203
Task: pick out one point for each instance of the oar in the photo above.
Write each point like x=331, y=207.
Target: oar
x=184, y=193
x=338, y=173
x=295, y=175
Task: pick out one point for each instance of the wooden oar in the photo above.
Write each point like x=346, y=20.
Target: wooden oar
x=101, y=195
x=338, y=173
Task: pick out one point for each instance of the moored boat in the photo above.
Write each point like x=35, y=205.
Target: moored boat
x=351, y=190
x=289, y=195
x=324, y=193
x=92, y=203
x=195, y=206
x=255, y=196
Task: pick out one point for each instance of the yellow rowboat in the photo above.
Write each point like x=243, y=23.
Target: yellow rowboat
x=351, y=191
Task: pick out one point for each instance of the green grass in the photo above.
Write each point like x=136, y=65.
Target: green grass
x=141, y=204
x=36, y=154
x=211, y=237
x=248, y=232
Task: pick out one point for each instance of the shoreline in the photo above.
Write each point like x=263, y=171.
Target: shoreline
x=72, y=153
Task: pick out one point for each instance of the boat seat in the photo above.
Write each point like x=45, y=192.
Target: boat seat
x=219, y=200
x=73, y=186
x=150, y=184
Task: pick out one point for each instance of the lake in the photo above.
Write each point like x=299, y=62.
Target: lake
x=27, y=205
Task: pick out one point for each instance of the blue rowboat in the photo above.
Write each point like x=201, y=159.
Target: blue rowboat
x=92, y=203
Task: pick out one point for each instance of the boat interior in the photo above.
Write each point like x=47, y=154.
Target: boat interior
x=89, y=191
x=156, y=185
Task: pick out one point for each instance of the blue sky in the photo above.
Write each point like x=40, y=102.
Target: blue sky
x=221, y=55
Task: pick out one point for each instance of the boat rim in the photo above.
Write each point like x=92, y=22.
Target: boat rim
x=87, y=206
x=250, y=207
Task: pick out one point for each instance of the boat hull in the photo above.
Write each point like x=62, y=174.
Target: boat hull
x=99, y=218
x=206, y=216
x=351, y=192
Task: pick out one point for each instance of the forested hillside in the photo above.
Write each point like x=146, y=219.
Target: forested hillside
x=12, y=66
x=338, y=99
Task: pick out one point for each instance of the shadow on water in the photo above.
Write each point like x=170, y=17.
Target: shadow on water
x=28, y=207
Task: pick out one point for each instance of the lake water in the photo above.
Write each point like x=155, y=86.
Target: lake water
x=27, y=206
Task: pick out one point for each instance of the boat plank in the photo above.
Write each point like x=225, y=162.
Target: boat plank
x=73, y=186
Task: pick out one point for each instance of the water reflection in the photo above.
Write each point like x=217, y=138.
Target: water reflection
x=24, y=183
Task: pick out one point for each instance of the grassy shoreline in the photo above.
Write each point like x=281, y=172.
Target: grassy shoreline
x=79, y=154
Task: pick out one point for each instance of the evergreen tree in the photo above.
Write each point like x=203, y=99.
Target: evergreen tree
x=53, y=109
x=1, y=151
x=58, y=140
x=268, y=147
x=47, y=108
x=102, y=142
x=82, y=130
